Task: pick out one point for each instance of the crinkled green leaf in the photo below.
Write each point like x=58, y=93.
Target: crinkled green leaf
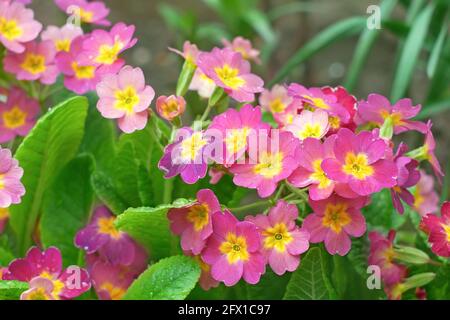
x=51, y=144
x=67, y=207
x=107, y=192
x=150, y=227
x=11, y=290
x=170, y=279
x=311, y=280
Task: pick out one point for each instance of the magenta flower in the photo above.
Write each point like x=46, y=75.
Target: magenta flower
x=309, y=124
x=62, y=37
x=193, y=223
x=273, y=161
x=125, y=97
x=17, y=26
x=408, y=176
x=315, y=98
x=4, y=217
x=282, y=240
x=382, y=254
x=11, y=189
x=334, y=220
x=64, y=284
x=346, y=100
x=17, y=116
x=186, y=156
x=78, y=77
x=112, y=281
x=237, y=129
x=101, y=236
x=92, y=12
x=233, y=250
x=37, y=62
x=426, y=199
x=244, y=47
x=103, y=48
x=170, y=107
x=231, y=72
x=377, y=109
x=360, y=162
x=287, y=117
x=310, y=155
x=429, y=152
x=276, y=100
x=438, y=229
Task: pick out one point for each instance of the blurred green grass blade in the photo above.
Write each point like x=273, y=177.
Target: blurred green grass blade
x=293, y=8
x=437, y=49
x=328, y=36
x=365, y=43
x=434, y=108
x=261, y=24
x=413, y=10
x=446, y=184
x=410, y=53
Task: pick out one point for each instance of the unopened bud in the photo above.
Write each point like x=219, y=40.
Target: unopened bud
x=411, y=255
x=418, y=280
x=170, y=107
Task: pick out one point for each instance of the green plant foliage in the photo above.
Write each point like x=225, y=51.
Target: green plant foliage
x=11, y=290
x=150, y=227
x=51, y=144
x=170, y=279
x=67, y=207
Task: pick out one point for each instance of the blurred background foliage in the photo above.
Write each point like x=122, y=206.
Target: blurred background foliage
x=316, y=43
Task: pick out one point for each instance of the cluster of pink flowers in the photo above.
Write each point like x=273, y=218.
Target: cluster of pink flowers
x=228, y=249
x=114, y=260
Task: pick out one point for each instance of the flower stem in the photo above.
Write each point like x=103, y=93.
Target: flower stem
x=254, y=205
x=168, y=189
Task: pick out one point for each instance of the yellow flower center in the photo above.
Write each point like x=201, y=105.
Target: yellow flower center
x=229, y=76
x=357, y=166
x=106, y=226
x=447, y=231
x=319, y=175
x=396, y=117
x=85, y=16
x=389, y=255
x=336, y=217
x=127, y=99
x=34, y=63
x=83, y=72
x=270, y=165
x=14, y=118
x=108, y=54
x=115, y=293
x=63, y=45
x=277, y=237
x=235, y=248
x=58, y=285
x=10, y=29
x=236, y=139
x=2, y=181
x=4, y=213
x=318, y=103
x=277, y=106
x=38, y=294
x=334, y=122
x=418, y=198
x=191, y=146
x=310, y=131
x=198, y=215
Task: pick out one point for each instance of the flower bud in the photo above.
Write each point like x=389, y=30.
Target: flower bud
x=411, y=255
x=170, y=107
x=418, y=280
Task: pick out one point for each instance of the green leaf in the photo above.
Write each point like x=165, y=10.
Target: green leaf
x=365, y=43
x=328, y=36
x=310, y=281
x=51, y=144
x=150, y=227
x=145, y=186
x=11, y=290
x=434, y=108
x=107, y=193
x=410, y=53
x=99, y=137
x=170, y=279
x=436, y=52
x=6, y=256
x=67, y=207
x=125, y=175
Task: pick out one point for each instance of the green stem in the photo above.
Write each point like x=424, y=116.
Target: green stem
x=207, y=112
x=435, y=263
x=168, y=189
x=254, y=205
